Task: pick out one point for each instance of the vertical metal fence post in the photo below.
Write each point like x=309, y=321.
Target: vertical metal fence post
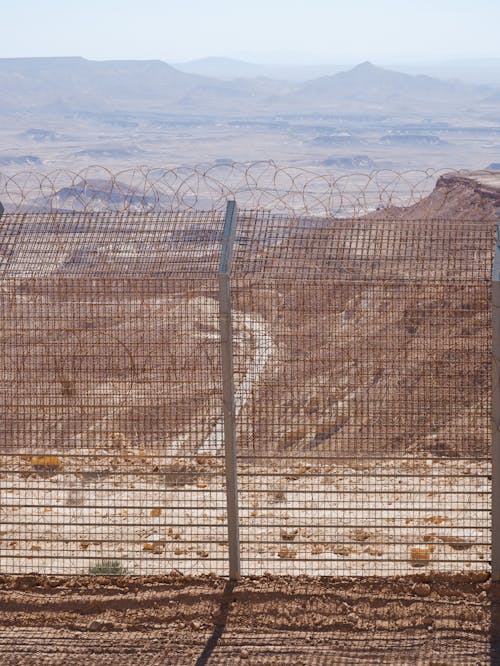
x=226, y=331
x=495, y=414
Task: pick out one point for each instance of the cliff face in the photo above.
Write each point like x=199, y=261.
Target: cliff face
x=484, y=183
x=479, y=189
x=465, y=196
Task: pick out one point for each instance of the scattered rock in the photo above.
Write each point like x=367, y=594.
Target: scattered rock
x=479, y=576
x=277, y=496
x=98, y=625
x=434, y=520
x=420, y=557
x=155, y=547
x=360, y=534
x=47, y=463
x=287, y=553
x=343, y=551
x=457, y=543
x=117, y=440
x=27, y=582
x=422, y=589
x=289, y=535
x=428, y=622
x=376, y=552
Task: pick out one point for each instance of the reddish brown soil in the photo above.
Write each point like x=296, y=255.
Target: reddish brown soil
x=422, y=619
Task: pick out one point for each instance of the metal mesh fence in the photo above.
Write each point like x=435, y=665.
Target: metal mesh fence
x=364, y=447
x=110, y=383
x=361, y=400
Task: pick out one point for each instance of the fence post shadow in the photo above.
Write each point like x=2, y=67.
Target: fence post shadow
x=220, y=622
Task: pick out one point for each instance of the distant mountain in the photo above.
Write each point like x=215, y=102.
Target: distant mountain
x=222, y=68
x=369, y=87
x=339, y=139
x=494, y=98
x=109, y=152
x=101, y=194
x=65, y=84
x=229, y=68
x=472, y=70
x=113, y=89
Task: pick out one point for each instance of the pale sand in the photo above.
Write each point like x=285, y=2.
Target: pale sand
x=155, y=515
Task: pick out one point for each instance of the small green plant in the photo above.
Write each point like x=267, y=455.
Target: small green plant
x=108, y=568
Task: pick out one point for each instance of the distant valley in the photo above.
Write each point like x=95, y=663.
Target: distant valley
x=70, y=112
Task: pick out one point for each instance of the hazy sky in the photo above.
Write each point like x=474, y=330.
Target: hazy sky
x=328, y=31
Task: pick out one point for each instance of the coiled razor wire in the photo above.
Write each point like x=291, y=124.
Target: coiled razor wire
x=263, y=185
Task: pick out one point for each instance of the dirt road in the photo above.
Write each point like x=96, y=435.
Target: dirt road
x=263, y=349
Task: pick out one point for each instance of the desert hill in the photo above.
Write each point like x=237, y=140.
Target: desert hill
x=377, y=88
x=60, y=84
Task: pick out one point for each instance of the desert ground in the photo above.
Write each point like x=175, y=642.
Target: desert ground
x=180, y=621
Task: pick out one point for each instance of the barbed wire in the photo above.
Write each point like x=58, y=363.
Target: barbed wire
x=261, y=185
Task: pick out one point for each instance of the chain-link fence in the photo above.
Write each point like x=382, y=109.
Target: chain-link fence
x=344, y=362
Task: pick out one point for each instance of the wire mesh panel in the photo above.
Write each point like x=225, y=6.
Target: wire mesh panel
x=110, y=434
x=361, y=394
x=362, y=357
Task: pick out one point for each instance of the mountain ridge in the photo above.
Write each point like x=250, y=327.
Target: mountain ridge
x=71, y=84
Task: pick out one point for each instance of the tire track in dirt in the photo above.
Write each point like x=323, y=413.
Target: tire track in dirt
x=264, y=348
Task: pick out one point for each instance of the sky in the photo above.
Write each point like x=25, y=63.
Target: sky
x=272, y=31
